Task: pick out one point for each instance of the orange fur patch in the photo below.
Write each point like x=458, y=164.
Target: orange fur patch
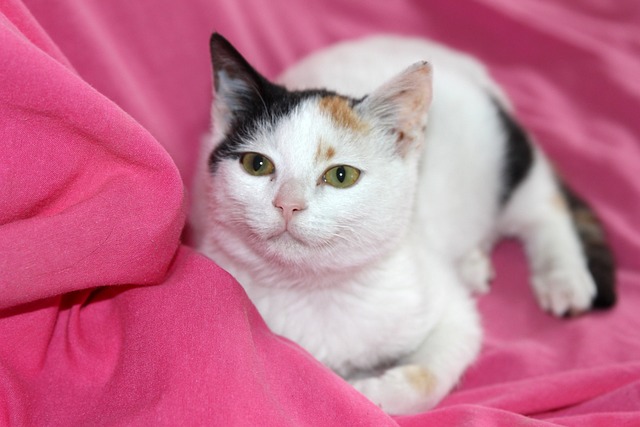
x=421, y=379
x=559, y=202
x=341, y=113
x=330, y=153
x=323, y=154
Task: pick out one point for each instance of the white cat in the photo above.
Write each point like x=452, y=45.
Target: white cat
x=358, y=227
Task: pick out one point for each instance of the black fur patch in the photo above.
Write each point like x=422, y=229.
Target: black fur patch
x=600, y=259
x=518, y=155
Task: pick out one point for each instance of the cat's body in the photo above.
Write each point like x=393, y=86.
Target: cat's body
x=360, y=227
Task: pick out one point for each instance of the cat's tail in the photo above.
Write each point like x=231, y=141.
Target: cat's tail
x=600, y=259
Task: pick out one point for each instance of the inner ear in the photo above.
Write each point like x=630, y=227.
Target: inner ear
x=400, y=106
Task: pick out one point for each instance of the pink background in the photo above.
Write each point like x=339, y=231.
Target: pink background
x=106, y=319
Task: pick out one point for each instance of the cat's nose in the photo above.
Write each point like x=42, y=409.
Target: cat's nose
x=289, y=207
x=289, y=200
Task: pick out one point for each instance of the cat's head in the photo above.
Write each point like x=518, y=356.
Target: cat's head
x=312, y=179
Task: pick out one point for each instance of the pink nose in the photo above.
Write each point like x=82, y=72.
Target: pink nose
x=288, y=206
x=290, y=199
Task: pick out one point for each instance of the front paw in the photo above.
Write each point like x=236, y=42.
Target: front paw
x=407, y=389
x=564, y=291
x=476, y=271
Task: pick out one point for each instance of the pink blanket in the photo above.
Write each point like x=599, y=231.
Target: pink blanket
x=107, y=319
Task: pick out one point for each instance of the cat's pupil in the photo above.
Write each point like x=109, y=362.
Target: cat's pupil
x=258, y=162
x=341, y=174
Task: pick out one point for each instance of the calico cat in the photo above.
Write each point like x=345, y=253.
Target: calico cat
x=359, y=217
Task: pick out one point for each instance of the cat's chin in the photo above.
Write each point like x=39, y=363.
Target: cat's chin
x=290, y=248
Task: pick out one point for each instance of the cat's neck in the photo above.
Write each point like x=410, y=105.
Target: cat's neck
x=256, y=273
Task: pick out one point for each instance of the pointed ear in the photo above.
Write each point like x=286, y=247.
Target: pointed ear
x=400, y=106
x=238, y=87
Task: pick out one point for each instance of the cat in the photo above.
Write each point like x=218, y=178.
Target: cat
x=358, y=199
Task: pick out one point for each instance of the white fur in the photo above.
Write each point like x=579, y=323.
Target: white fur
x=373, y=280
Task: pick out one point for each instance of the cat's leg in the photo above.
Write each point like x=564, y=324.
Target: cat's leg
x=476, y=271
x=419, y=381
x=538, y=215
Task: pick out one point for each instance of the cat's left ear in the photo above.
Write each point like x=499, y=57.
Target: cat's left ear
x=400, y=106
x=238, y=87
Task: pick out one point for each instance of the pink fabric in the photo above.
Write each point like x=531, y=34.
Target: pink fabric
x=106, y=318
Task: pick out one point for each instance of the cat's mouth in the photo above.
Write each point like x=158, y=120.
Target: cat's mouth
x=296, y=236
x=288, y=236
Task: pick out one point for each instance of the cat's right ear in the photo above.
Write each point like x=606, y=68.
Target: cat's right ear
x=400, y=105
x=238, y=87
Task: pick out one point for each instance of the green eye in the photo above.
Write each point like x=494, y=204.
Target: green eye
x=256, y=164
x=342, y=176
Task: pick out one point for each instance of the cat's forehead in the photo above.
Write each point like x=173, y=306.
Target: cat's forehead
x=321, y=129
x=328, y=115
x=298, y=118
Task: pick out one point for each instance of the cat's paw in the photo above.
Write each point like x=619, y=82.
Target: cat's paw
x=564, y=291
x=476, y=271
x=406, y=389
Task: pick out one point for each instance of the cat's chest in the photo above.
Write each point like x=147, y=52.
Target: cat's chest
x=351, y=328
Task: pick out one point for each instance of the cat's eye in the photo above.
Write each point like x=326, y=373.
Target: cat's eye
x=257, y=164
x=342, y=176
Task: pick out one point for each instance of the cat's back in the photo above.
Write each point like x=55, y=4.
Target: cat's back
x=356, y=67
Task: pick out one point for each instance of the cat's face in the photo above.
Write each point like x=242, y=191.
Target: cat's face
x=314, y=180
